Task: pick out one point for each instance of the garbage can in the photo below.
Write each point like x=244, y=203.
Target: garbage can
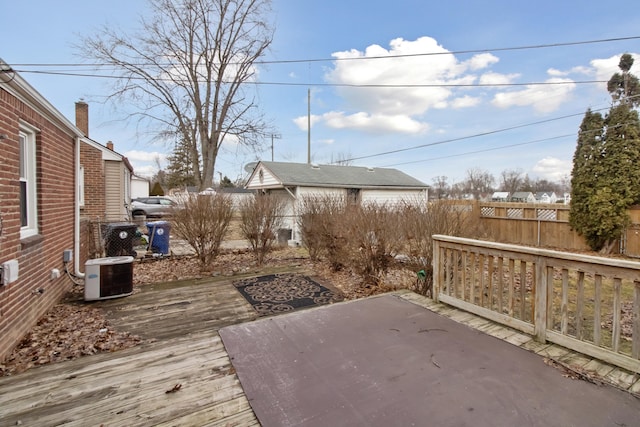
x=159, y=232
x=118, y=239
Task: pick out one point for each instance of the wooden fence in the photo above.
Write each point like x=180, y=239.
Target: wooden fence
x=542, y=225
x=585, y=303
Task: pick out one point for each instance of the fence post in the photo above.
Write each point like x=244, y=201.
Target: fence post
x=436, y=270
x=540, y=287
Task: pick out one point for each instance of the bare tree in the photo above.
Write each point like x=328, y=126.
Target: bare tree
x=440, y=187
x=341, y=159
x=478, y=181
x=511, y=180
x=187, y=70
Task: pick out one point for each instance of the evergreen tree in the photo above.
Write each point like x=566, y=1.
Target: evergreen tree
x=584, y=176
x=180, y=169
x=625, y=87
x=606, y=179
x=226, y=183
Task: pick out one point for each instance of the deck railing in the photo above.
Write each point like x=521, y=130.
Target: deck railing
x=585, y=303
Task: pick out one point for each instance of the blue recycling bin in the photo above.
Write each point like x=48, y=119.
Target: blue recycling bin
x=159, y=232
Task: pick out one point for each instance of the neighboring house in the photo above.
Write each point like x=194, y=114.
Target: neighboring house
x=546, y=197
x=523, y=197
x=105, y=176
x=360, y=184
x=500, y=196
x=39, y=153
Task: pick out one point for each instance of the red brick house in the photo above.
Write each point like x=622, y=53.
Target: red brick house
x=39, y=153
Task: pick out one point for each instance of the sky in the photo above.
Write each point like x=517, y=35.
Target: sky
x=433, y=115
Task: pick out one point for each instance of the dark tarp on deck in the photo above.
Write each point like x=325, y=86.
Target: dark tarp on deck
x=384, y=361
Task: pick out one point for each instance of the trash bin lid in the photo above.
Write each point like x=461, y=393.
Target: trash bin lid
x=157, y=223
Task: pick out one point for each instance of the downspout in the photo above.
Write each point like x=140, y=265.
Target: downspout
x=76, y=219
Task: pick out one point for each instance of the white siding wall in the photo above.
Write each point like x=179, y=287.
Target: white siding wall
x=139, y=188
x=117, y=181
x=113, y=191
x=392, y=197
x=367, y=196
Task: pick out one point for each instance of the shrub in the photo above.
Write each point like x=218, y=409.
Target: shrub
x=321, y=222
x=202, y=221
x=374, y=238
x=421, y=222
x=261, y=216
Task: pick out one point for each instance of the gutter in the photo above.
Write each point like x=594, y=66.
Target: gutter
x=76, y=219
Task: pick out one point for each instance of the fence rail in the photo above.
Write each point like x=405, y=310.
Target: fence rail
x=586, y=303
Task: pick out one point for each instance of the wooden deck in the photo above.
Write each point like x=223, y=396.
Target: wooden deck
x=179, y=323
x=182, y=352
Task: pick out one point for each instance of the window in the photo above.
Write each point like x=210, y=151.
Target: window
x=28, y=199
x=353, y=196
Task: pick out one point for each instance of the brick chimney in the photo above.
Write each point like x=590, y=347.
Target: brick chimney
x=110, y=145
x=82, y=117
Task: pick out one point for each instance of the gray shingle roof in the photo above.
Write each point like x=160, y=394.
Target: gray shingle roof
x=303, y=174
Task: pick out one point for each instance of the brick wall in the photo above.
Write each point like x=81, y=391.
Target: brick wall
x=21, y=303
x=94, y=187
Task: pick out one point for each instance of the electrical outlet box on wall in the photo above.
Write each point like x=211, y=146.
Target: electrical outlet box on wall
x=9, y=271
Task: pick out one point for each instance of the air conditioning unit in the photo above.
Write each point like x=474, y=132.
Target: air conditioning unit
x=106, y=278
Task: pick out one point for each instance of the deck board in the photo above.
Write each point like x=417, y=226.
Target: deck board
x=178, y=326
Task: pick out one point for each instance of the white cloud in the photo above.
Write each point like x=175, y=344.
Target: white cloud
x=145, y=156
x=302, y=121
x=376, y=123
x=492, y=78
x=543, y=98
x=557, y=73
x=606, y=67
x=465, y=102
x=145, y=171
x=145, y=163
x=480, y=61
x=393, y=90
x=552, y=168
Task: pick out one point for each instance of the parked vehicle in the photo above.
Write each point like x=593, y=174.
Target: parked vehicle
x=154, y=206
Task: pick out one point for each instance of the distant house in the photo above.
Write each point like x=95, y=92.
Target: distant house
x=360, y=184
x=523, y=197
x=546, y=197
x=139, y=186
x=39, y=160
x=500, y=196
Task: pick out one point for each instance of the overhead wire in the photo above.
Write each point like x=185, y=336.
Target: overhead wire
x=458, y=52
x=359, y=58
x=476, y=135
x=551, y=138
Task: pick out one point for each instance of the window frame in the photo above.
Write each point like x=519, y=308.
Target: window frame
x=28, y=179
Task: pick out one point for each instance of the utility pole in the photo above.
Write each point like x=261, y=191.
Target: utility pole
x=309, y=126
x=273, y=136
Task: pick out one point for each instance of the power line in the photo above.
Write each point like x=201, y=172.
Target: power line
x=491, y=132
x=360, y=58
x=551, y=138
x=483, y=150
x=349, y=85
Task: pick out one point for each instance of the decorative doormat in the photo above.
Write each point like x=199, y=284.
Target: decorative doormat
x=280, y=293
